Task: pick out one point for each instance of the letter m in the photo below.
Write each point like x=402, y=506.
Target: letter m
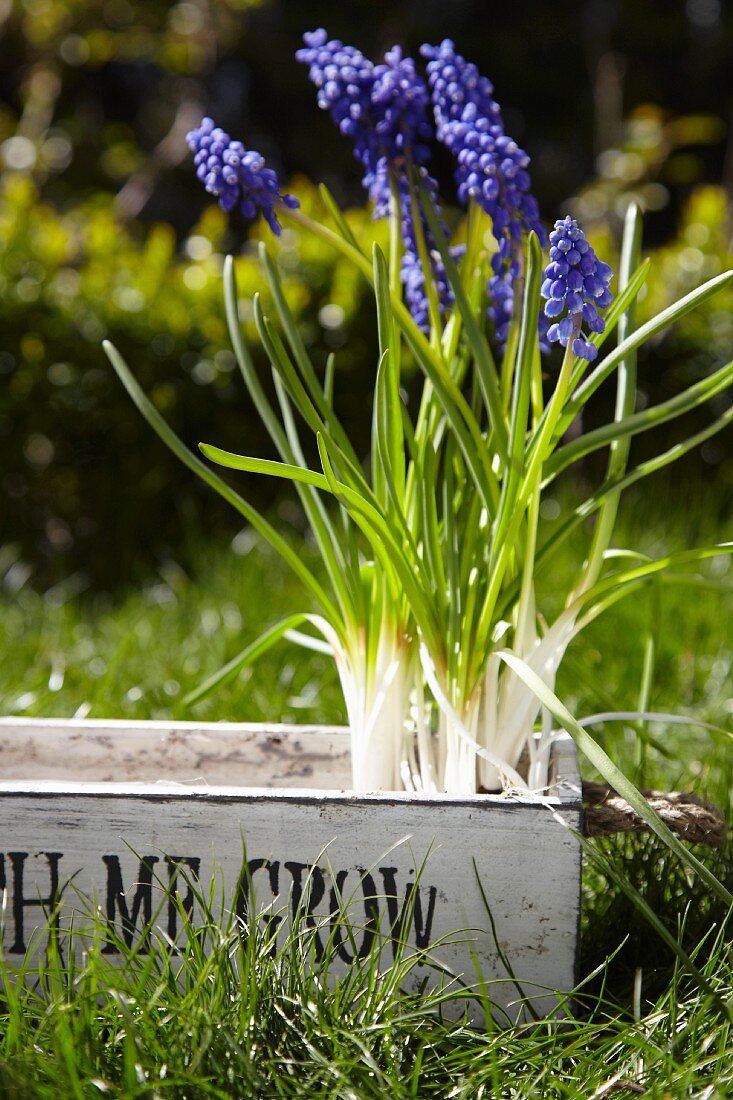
x=142, y=903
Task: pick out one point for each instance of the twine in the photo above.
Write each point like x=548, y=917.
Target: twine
x=606, y=813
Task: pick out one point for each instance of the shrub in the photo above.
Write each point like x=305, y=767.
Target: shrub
x=82, y=485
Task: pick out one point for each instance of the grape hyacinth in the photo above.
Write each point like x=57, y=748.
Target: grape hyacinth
x=400, y=102
x=412, y=273
x=575, y=278
x=492, y=169
x=236, y=175
x=459, y=92
x=344, y=79
x=383, y=110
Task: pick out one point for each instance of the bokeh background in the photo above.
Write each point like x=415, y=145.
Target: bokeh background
x=105, y=232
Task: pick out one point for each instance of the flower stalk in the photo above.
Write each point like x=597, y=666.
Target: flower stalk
x=431, y=553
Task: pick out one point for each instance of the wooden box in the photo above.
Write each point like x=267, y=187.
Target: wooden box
x=118, y=808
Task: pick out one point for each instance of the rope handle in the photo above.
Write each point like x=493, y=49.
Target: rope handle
x=606, y=813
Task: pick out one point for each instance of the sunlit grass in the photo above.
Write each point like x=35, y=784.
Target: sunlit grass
x=228, y=1016
x=138, y=657
x=246, y=1023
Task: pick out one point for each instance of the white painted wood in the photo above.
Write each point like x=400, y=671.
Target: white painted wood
x=249, y=755
x=119, y=841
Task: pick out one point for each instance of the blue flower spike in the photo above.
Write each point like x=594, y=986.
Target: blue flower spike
x=236, y=175
x=383, y=110
x=492, y=170
x=577, y=280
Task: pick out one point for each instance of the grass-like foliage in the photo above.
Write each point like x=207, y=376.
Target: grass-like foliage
x=244, y=1023
x=429, y=608
x=233, y=1009
x=431, y=554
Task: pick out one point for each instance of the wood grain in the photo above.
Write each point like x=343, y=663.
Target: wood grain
x=206, y=752
x=126, y=846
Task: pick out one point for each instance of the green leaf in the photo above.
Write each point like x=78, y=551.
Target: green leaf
x=268, y=532
x=350, y=497
x=453, y=404
x=359, y=490
x=528, y=341
x=282, y=363
x=328, y=378
x=341, y=223
x=302, y=359
x=625, y=398
x=338, y=554
x=639, y=422
x=248, y=656
x=610, y=772
x=427, y=492
x=429, y=284
x=658, y=565
x=589, y=506
x=483, y=358
x=663, y=320
x=388, y=403
x=387, y=545
x=288, y=446
x=264, y=466
x=244, y=360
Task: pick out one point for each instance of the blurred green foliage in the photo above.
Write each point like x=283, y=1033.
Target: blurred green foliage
x=101, y=235
x=702, y=248
x=658, y=158
x=85, y=485
x=94, y=91
x=657, y=164
x=98, y=30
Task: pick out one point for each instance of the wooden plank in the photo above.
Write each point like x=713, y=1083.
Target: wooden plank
x=122, y=845
x=249, y=755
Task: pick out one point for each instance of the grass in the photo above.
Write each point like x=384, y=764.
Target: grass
x=231, y=1018
x=227, y=1018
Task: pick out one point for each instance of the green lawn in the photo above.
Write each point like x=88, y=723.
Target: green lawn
x=241, y=1022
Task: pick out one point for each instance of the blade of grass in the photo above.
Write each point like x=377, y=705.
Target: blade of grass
x=260, y=524
x=667, y=317
x=609, y=869
x=613, y=775
x=248, y=656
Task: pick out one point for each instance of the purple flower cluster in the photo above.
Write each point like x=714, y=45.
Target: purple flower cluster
x=400, y=103
x=575, y=278
x=383, y=110
x=459, y=92
x=492, y=169
x=236, y=175
x=412, y=272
